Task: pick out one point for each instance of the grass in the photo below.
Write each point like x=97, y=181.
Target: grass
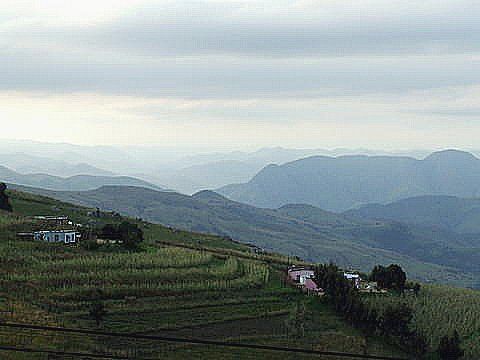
x=438, y=311
x=179, y=283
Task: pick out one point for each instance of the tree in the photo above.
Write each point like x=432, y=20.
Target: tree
x=130, y=234
x=390, y=277
x=4, y=200
x=110, y=232
x=449, y=347
x=97, y=312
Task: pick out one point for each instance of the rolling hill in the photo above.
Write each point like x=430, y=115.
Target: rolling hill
x=316, y=235
x=345, y=182
x=453, y=213
x=73, y=183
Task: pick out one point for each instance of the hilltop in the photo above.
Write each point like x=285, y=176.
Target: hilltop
x=342, y=183
x=429, y=254
x=72, y=183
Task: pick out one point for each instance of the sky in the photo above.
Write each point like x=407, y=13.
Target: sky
x=242, y=74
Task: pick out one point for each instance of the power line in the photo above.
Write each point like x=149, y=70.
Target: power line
x=63, y=353
x=195, y=341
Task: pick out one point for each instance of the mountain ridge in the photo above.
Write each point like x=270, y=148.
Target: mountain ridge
x=342, y=183
x=72, y=183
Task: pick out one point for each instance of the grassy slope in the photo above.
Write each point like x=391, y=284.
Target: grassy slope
x=228, y=293
x=302, y=230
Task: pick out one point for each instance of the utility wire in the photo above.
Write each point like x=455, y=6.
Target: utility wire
x=195, y=341
x=63, y=353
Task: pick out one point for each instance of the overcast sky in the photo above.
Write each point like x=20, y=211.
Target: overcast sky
x=242, y=74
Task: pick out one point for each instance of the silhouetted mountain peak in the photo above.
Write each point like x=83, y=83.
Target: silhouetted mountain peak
x=209, y=195
x=451, y=155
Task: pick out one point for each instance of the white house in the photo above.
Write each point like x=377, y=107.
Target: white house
x=354, y=278
x=65, y=236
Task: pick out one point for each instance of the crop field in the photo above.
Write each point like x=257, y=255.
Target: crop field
x=439, y=310
x=197, y=285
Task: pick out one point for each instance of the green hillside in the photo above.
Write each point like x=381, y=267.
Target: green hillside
x=313, y=234
x=178, y=283
x=440, y=310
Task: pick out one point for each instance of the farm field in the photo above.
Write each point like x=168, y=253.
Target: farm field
x=178, y=284
x=439, y=310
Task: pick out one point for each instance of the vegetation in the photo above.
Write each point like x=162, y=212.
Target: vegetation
x=393, y=323
x=177, y=283
x=449, y=347
x=391, y=277
x=128, y=234
x=4, y=202
x=438, y=311
x=429, y=255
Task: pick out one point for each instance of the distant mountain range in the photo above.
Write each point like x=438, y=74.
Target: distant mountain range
x=345, y=182
x=166, y=167
x=73, y=183
x=429, y=253
x=209, y=171
x=29, y=164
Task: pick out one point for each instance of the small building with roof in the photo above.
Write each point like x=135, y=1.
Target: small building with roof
x=63, y=236
x=300, y=274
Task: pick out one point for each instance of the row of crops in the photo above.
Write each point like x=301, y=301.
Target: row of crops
x=113, y=276
x=439, y=310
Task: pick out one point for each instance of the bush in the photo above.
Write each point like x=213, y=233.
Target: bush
x=4, y=201
x=130, y=235
x=449, y=347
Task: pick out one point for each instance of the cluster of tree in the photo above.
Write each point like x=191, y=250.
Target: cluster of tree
x=393, y=323
x=391, y=277
x=4, y=200
x=130, y=235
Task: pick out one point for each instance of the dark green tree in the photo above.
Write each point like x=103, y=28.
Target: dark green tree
x=98, y=312
x=130, y=234
x=449, y=347
x=110, y=232
x=4, y=200
x=390, y=277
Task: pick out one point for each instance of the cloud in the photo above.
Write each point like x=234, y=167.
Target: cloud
x=240, y=48
x=250, y=68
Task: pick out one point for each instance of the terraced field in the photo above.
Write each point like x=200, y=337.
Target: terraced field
x=196, y=286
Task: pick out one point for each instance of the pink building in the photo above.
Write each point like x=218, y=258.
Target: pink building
x=300, y=274
x=311, y=286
